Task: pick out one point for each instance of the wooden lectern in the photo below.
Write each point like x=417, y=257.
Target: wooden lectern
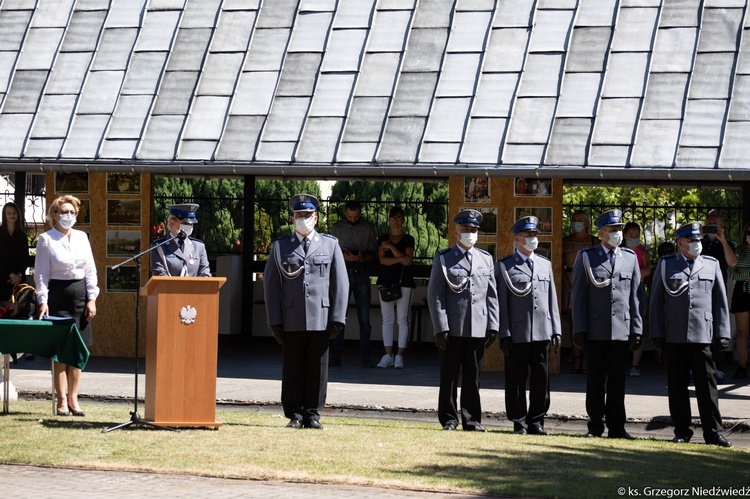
x=182, y=350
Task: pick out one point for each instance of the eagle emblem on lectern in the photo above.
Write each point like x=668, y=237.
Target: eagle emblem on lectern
x=187, y=314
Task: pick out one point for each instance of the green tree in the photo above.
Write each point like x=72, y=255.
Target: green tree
x=272, y=216
x=425, y=205
x=659, y=211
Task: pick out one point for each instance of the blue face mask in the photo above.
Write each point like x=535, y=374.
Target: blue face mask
x=577, y=226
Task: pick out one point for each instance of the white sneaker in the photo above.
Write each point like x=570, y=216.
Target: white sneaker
x=635, y=371
x=399, y=363
x=386, y=361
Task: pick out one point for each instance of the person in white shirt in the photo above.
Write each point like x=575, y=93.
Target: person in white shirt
x=66, y=285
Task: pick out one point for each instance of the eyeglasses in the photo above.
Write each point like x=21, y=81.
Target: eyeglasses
x=67, y=212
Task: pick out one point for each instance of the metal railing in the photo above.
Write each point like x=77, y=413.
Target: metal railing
x=660, y=222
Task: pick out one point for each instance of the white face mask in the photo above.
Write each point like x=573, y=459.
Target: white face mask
x=530, y=243
x=188, y=228
x=632, y=242
x=695, y=249
x=304, y=225
x=577, y=226
x=615, y=238
x=469, y=238
x=67, y=220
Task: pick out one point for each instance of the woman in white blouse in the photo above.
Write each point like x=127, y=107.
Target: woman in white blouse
x=66, y=285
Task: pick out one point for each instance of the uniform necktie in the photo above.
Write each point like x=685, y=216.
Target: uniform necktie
x=305, y=244
x=690, y=264
x=468, y=258
x=530, y=263
x=612, y=258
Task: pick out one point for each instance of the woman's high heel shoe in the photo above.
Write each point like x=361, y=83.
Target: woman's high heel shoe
x=77, y=413
x=63, y=413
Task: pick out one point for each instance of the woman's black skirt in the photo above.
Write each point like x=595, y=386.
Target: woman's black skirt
x=68, y=299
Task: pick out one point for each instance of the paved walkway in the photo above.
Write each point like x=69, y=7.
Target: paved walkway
x=249, y=378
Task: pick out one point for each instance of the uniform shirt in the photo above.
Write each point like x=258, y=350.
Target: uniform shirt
x=170, y=259
x=63, y=258
x=605, y=302
x=529, y=311
x=688, y=306
x=473, y=310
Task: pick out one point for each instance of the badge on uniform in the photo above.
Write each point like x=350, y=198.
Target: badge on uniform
x=190, y=259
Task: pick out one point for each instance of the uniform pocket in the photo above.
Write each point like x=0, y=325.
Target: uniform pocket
x=706, y=282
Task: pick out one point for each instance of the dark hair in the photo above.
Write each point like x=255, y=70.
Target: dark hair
x=19, y=222
x=631, y=225
x=353, y=205
x=396, y=210
x=666, y=248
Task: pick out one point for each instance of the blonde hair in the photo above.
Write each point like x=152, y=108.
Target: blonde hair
x=54, y=207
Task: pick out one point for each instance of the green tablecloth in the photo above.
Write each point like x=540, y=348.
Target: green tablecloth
x=59, y=342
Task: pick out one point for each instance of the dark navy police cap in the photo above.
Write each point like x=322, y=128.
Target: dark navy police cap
x=303, y=202
x=528, y=223
x=470, y=218
x=690, y=230
x=609, y=217
x=185, y=212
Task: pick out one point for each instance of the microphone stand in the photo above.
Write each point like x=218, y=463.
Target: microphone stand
x=135, y=418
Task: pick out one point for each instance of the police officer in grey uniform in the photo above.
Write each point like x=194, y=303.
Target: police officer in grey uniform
x=306, y=292
x=529, y=322
x=688, y=312
x=183, y=256
x=606, y=318
x=462, y=298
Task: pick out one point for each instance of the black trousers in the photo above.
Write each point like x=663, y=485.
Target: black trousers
x=681, y=358
x=304, y=377
x=528, y=360
x=605, y=384
x=463, y=354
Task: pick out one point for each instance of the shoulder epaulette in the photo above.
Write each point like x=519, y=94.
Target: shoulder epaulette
x=537, y=255
x=483, y=251
x=709, y=257
x=328, y=236
x=627, y=250
x=671, y=255
x=196, y=239
x=503, y=258
x=444, y=251
x=589, y=248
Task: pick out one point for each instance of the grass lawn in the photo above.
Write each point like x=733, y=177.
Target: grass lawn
x=256, y=445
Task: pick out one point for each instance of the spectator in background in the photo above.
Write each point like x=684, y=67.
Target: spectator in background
x=632, y=234
x=580, y=237
x=715, y=244
x=357, y=241
x=740, y=272
x=14, y=251
x=395, y=253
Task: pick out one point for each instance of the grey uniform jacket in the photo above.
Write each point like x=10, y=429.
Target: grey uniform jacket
x=472, y=311
x=605, y=300
x=531, y=317
x=318, y=295
x=170, y=260
x=688, y=307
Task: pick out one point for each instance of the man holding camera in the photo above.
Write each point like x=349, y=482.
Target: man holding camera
x=716, y=245
x=689, y=312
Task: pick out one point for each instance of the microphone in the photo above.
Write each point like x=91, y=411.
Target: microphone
x=181, y=235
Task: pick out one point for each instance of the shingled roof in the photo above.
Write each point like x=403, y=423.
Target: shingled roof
x=575, y=88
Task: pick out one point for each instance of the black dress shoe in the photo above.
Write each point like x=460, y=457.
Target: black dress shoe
x=537, y=429
x=520, y=431
x=449, y=427
x=592, y=435
x=621, y=434
x=314, y=424
x=680, y=440
x=718, y=440
x=294, y=423
x=475, y=428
